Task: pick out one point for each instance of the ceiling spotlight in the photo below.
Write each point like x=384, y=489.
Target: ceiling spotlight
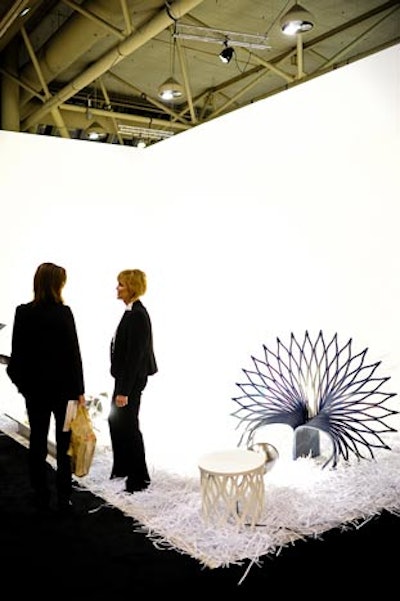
x=226, y=54
x=96, y=132
x=141, y=143
x=297, y=20
x=170, y=90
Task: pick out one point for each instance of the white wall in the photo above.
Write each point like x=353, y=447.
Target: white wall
x=281, y=217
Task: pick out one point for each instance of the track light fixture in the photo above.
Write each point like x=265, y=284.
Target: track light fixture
x=297, y=20
x=220, y=36
x=227, y=53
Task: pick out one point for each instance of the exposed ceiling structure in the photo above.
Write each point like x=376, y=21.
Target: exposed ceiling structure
x=71, y=66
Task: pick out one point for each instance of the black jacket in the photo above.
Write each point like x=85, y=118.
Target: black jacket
x=45, y=355
x=132, y=354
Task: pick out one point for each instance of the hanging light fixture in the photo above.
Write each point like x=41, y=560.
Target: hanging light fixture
x=297, y=20
x=227, y=53
x=89, y=114
x=171, y=90
x=95, y=131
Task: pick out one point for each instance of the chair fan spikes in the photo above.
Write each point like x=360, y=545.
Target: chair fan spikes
x=321, y=386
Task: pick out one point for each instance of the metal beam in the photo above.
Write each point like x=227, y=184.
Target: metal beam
x=164, y=19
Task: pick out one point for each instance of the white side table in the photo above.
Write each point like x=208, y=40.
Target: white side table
x=232, y=486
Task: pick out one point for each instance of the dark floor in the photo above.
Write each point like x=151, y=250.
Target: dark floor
x=97, y=553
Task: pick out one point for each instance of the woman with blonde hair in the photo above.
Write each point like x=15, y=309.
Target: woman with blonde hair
x=132, y=361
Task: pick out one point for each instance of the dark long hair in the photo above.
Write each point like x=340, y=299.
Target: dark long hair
x=48, y=283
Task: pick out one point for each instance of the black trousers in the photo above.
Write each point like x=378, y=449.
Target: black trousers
x=129, y=459
x=39, y=411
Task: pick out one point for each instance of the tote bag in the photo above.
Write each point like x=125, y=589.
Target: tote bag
x=83, y=442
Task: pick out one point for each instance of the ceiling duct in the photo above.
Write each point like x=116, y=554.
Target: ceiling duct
x=121, y=51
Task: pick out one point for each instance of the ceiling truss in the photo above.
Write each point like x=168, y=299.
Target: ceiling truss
x=49, y=102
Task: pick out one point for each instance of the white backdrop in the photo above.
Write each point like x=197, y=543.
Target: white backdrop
x=281, y=217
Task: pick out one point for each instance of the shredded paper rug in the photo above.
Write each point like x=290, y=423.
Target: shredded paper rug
x=302, y=500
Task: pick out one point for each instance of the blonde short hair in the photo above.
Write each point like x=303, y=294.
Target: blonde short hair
x=135, y=282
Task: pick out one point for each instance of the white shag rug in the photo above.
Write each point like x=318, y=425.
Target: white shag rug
x=301, y=500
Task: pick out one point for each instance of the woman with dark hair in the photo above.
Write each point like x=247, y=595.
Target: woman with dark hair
x=132, y=361
x=46, y=367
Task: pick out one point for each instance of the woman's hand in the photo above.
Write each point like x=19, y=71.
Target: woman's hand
x=81, y=399
x=121, y=400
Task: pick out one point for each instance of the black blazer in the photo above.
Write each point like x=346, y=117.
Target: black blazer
x=131, y=351
x=45, y=355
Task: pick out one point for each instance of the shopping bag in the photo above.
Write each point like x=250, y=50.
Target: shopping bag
x=70, y=414
x=83, y=442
